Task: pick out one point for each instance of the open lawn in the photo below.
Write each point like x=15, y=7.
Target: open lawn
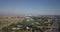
x=3, y=22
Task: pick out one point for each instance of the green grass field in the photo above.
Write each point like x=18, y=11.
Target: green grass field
x=3, y=22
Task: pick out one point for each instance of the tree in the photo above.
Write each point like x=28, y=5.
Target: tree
x=6, y=29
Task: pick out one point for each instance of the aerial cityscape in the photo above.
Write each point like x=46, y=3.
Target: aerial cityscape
x=29, y=15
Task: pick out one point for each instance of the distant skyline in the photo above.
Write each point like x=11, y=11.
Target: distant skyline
x=29, y=7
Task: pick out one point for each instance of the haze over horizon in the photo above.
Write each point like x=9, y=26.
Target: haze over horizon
x=29, y=7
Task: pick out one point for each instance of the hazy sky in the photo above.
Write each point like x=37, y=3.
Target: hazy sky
x=26, y=7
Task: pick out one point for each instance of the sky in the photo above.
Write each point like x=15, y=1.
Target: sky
x=29, y=7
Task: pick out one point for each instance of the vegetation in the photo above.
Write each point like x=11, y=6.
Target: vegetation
x=37, y=25
x=3, y=22
x=6, y=29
